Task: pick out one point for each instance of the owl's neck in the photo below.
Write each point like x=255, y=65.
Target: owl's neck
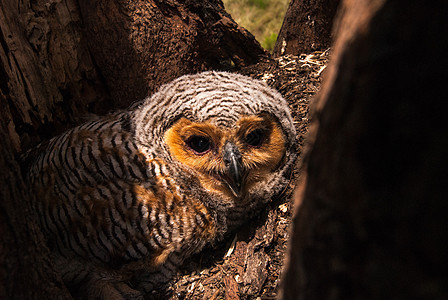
x=227, y=212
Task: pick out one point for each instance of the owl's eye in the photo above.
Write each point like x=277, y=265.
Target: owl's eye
x=255, y=138
x=199, y=144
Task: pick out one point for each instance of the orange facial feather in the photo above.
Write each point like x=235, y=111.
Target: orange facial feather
x=257, y=161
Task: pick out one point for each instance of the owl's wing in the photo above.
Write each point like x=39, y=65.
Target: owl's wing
x=85, y=182
x=101, y=198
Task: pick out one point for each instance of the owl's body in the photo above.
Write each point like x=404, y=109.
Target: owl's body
x=128, y=197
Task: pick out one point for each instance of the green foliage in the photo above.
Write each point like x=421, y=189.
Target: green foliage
x=260, y=3
x=263, y=18
x=269, y=41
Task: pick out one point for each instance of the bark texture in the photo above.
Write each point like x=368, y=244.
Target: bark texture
x=307, y=27
x=48, y=77
x=25, y=272
x=140, y=45
x=64, y=60
x=372, y=224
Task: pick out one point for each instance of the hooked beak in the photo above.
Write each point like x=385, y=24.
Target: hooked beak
x=234, y=169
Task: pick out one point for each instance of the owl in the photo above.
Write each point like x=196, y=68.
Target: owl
x=123, y=200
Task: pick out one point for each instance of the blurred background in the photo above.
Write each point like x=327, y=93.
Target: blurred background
x=263, y=18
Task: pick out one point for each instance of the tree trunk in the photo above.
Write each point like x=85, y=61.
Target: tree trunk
x=60, y=66
x=57, y=65
x=372, y=224
x=149, y=43
x=307, y=27
x=48, y=76
x=24, y=269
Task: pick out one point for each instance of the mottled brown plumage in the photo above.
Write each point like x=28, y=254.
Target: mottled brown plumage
x=123, y=200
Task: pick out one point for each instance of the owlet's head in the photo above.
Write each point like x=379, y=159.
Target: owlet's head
x=234, y=132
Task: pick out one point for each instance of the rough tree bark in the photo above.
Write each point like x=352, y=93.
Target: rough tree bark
x=24, y=269
x=60, y=65
x=307, y=27
x=48, y=76
x=60, y=61
x=372, y=224
x=140, y=45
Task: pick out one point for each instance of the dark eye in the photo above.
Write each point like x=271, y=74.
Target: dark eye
x=255, y=138
x=199, y=144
